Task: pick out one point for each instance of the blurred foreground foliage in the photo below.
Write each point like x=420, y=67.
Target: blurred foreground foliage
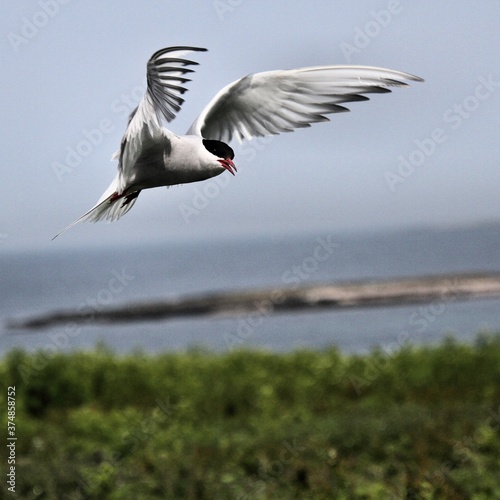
x=414, y=423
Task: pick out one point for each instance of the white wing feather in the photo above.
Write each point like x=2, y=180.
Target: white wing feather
x=272, y=102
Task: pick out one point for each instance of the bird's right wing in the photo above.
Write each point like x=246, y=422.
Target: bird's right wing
x=166, y=78
x=279, y=101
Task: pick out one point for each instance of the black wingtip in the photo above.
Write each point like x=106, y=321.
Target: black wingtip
x=166, y=50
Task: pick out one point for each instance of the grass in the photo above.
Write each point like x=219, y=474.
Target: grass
x=419, y=423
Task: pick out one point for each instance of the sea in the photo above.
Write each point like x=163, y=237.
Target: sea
x=34, y=283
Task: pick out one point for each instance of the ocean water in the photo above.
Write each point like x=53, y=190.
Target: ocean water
x=36, y=283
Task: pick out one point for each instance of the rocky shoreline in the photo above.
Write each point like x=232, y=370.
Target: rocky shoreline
x=359, y=294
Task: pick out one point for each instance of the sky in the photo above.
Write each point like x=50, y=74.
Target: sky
x=428, y=155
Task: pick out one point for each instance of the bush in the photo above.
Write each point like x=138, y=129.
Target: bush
x=420, y=423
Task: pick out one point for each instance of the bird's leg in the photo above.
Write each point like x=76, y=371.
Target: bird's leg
x=130, y=197
x=115, y=196
x=127, y=198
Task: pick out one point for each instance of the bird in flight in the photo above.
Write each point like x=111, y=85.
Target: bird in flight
x=256, y=105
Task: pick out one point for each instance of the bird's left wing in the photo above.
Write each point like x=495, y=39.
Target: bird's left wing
x=272, y=102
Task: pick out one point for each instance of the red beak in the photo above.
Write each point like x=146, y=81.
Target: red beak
x=228, y=165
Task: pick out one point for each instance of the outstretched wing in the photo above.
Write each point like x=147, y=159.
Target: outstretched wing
x=272, y=102
x=166, y=76
x=166, y=79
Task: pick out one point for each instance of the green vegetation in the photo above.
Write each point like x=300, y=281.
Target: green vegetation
x=420, y=423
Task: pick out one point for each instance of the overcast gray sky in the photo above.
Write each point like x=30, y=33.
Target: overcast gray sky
x=430, y=154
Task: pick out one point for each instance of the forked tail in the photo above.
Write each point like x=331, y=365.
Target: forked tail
x=111, y=206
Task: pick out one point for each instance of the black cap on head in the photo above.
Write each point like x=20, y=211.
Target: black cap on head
x=218, y=148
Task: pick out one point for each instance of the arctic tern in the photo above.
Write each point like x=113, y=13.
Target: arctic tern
x=256, y=105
